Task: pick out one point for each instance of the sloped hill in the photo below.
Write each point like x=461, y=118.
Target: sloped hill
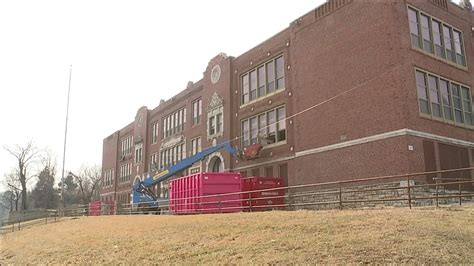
x=305, y=237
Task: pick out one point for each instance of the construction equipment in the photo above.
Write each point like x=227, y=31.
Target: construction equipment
x=143, y=195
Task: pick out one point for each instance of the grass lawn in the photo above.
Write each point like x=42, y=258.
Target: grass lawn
x=399, y=235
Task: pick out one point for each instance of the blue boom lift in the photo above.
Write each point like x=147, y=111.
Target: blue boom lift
x=142, y=194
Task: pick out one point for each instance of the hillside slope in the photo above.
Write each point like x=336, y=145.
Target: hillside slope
x=359, y=236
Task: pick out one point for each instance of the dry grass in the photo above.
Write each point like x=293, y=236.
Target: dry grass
x=302, y=237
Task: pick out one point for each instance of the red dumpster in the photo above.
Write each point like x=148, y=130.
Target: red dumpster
x=200, y=193
x=272, y=197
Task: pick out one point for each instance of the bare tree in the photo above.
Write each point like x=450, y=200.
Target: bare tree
x=25, y=156
x=12, y=195
x=88, y=181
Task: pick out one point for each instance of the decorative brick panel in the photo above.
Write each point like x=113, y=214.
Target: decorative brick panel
x=329, y=7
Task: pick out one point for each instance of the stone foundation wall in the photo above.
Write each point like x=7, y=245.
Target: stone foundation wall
x=394, y=194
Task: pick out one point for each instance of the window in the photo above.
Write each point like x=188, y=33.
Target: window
x=281, y=124
x=253, y=130
x=215, y=122
x=108, y=179
x=436, y=37
x=195, y=145
x=197, y=111
x=280, y=73
x=255, y=172
x=270, y=77
x=126, y=145
x=271, y=133
x=212, y=125
x=174, y=123
x=172, y=155
x=253, y=85
x=426, y=33
x=458, y=48
x=434, y=96
x=467, y=105
x=444, y=99
x=245, y=133
x=447, y=102
x=219, y=122
x=138, y=153
x=269, y=126
x=448, y=42
x=262, y=80
x=154, y=133
x=422, y=94
x=154, y=162
x=414, y=28
x=245, y=88
x=269, y=171
x=125, y=172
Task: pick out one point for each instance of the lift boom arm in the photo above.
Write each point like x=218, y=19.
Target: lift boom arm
x=141, y=189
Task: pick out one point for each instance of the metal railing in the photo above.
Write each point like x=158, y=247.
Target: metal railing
x=336, y=194
x=405, y=190
x=28, y=220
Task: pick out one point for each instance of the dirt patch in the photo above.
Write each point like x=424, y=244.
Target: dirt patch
x=305, y=237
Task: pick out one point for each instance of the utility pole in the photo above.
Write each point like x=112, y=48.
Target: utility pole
x=65, y=137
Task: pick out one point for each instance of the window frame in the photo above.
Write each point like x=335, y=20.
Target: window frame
x=453, y=108
x=174, y=123
x=196, y=114
x=269, y=86
x=432, y=52
x=246, y=138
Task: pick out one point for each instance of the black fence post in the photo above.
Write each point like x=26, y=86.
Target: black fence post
x=460, y=193
x=289, y=198
x=409, y=191
x=250, y=201
x=340, y=196
x=437, y=194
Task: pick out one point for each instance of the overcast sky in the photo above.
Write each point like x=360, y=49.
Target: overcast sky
x=124, y=54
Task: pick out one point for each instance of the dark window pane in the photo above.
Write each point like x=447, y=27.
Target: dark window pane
x=256, y=172
x=421, y=85
x=458, y=116
x=457, y=41
x=457, y=103
x=261, y=81
x=438, y=41
x=281, y=126
x=414, y=28
x=434, y=96
x=245, y=133
x=262, y=124
x=270, y=77
x=280, y=71
x=446, y=99
x=426, y=33
x=271, y=127
x=253, y=130
x=424, y=108
x=245, y=88
x=448, y=43
x=269, y=171
x=253, y=85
